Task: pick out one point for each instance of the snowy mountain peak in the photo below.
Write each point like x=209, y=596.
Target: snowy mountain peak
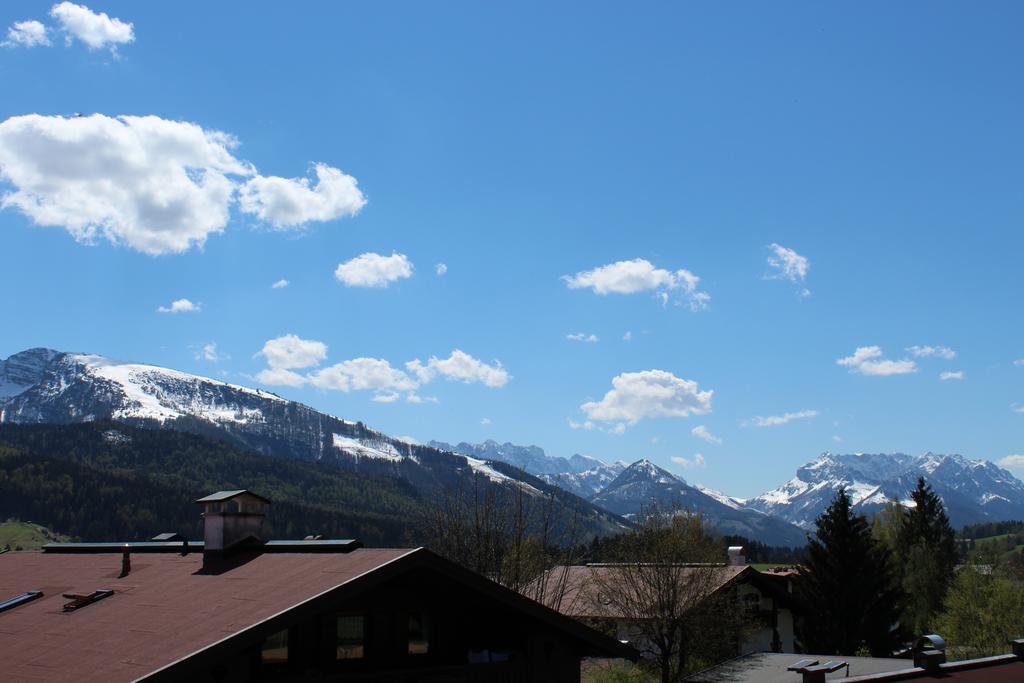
x=972, y=490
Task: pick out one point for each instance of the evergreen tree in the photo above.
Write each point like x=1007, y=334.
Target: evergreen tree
x=927, y=550
x=848, y=586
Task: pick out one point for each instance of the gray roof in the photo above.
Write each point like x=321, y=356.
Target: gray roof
x=770, y=667
x=228, y=495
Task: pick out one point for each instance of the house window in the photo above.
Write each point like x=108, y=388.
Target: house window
x=275, y=648
x=351, y=637
x=419, y=634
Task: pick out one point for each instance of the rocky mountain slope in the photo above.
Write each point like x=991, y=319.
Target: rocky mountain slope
x=643, y=482
x=582, y=475
x=972, y=490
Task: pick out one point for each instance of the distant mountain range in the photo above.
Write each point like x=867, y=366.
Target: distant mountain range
x=972, y=490
x=43, y=386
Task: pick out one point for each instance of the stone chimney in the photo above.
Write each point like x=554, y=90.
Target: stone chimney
x=232, y=520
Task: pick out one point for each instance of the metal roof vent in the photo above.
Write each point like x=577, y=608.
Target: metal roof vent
x=736, y=556
x=930, y=652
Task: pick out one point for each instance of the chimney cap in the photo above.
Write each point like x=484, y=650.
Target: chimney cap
x=221, y=496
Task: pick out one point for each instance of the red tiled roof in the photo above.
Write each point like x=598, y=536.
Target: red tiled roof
x=162, y=611
x=575, y=590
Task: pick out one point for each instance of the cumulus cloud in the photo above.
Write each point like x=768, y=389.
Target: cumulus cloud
x=867, y=360
x=1012, y=462
x=640, y=275
x=152, y=184
x=29, y=33
x=701, y=432
x=928, y=351
x=959, y=374
x=280, y=284
x=460, y=366
x=776, y=420
x=788, y=265
x=95, y=29
x=373, y=270
x=440, y=269
x=485, y=421
x=1017, y=407
x=291, y=202
x=280, y=377
x=180, y=306
x=686, y=463
x=652, y=393
x=362, y=374
x=387, y=382
x=628, y=336
x=582, y=337
x=1019, y=361
x=291, y=352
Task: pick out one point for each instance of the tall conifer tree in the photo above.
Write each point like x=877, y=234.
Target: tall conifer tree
x=928, y=548
x=848, y=586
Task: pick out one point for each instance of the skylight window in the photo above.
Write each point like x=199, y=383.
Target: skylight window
x=80, y=601
x=19, y=600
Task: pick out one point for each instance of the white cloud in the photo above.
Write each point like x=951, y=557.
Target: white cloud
x=365, y=374
x=154, y=185
x=652, y=393
x=373, y=270
x=640, y=275
x=386, y=381
x=836, y=438
x=209, y=352
x=95, y=29
x=462, y=367
x=867, y=360
x=1012, y=462
x=628, y=336
x=280, y=377
x=440, y=269
x=776, y=420
x=280, y=284
x=180, y=306
x=485, y=421
x=590, y=425
x=1017, y=407
x=291, y=202
x=937, y=351
x=959, y=374
x=701, y=432
x=1019, y=361
x=29, y=33
x=788, y=265
x=582, y=337
x=291, y=352
x=686, y=463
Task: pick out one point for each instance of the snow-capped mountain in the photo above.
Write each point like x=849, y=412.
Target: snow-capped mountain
x=643, y=482
x=41, y=386
x=582, y=475
x=972, y=490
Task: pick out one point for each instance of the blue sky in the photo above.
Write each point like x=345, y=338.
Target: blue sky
x=525, y=147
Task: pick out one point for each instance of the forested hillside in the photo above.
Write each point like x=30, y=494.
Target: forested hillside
x=111, y=482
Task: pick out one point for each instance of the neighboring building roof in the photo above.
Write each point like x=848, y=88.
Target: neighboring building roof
x=999, y=669
x=575, y=590
x=167, y=610
x=228, y=495
x=769, y=667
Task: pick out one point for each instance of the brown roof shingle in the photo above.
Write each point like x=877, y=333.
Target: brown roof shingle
x=162, y=611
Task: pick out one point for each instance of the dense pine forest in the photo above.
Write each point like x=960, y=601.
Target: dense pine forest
x=105, y=482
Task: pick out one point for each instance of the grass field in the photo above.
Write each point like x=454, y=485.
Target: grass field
x=26, y=535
